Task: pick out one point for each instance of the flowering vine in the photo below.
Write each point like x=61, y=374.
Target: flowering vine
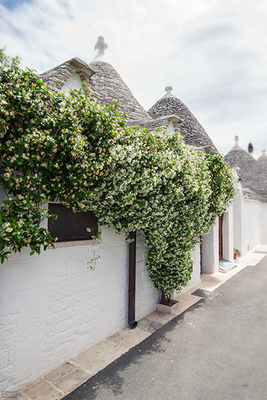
x=71, y=149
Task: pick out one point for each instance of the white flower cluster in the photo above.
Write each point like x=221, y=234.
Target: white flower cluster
x=82, y=154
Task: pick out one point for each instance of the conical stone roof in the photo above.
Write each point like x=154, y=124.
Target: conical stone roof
x=107, y=86
x=190, y=128
x=262, y=168
x=253, y=180
x=262, y=160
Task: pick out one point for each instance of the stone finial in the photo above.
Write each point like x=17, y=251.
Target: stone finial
x=101, y=46
x=168, y=89
x=236, y=140
x=250, y=148
x=264, y=153
x=168, y=93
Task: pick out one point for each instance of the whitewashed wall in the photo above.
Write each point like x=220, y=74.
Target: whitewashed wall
x=195, y=277
x=210, y=250
x=250, y=223
x=146, y=295
x=53, y=306
x=228, y=234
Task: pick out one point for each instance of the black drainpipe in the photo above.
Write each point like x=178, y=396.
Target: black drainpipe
x=132, y=268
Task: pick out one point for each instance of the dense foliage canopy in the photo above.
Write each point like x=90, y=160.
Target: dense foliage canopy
x=70, y=149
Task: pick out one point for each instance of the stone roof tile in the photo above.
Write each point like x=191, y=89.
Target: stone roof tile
x=107, y=86
x=253, y=177
x=191, y=130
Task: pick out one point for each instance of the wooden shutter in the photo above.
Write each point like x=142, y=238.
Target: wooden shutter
x=71, y=225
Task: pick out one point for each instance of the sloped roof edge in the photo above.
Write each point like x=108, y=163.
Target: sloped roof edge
x=58, y=76
x=152, y=124
x=106, y=86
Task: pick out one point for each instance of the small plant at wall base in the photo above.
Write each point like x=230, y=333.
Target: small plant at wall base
x=237, y=253
x=84, y=155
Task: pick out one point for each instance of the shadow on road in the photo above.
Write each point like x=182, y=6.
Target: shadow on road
x=111, y=377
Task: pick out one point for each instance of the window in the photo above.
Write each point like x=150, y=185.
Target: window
x=70, y=226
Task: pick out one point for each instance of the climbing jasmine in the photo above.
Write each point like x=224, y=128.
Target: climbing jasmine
x=70, y=149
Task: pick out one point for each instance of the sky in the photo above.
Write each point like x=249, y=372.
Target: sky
x=212, y=52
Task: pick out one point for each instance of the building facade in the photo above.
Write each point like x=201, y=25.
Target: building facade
x=52, y=305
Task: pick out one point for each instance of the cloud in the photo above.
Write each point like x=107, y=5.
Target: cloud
x=213, y=52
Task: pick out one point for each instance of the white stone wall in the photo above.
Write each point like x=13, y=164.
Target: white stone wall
x=195, y=277
x=53, y=306
x=210, y=250
x=250, y=222
x=228, y=235
x=146, y=295
x=73, y=82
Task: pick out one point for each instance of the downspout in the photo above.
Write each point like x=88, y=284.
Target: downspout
x=132, y=271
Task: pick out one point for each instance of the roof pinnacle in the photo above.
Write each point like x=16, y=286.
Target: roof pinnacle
x=236, y=140
x=101, y=46
x=250, y=148
x=168, y=93
x=168, y=89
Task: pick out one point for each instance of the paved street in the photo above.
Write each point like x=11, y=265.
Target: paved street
x=216, y=350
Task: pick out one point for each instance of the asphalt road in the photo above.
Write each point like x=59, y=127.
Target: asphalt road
x=216, y=350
